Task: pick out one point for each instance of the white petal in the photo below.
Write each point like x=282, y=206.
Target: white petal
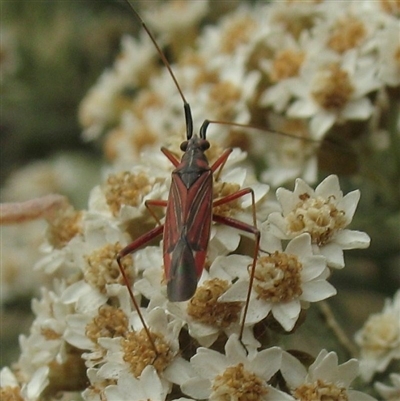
x=317, y=290
x=350, y=239
x=300, y=246
x=349, y=204
x=321, y=123
x=75, y=291
x=152, y=384
x=358, y=396
x=38, y=382
x=302, y=108
x=287, y=314
x=347, y=372
x=293, y=370
x=267, y=362
x=326, y=368
x=333, y=254
x=328, y=187
x=208, y=363
x=238, y=292
x=300, y=188
x=199, y=389
x=313, y=266
x=179, y=371
x=286, y=199
x=276, y=395
x=358, y=109
x=234, y=350
x=278, y=225
x=258, y=310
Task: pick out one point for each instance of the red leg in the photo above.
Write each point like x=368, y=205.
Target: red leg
x=252, y=229
x=155, y=202
x=170, y=156
x=237, y=195
x=132, y=247
x=220, y=162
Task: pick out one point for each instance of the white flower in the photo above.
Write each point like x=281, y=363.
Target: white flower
x=284, y=282
x=390, y=393
x=134, y=351
x=379, y=339
x=45, y=344
x=95, y=256
x=324, y=376
x=100, y=107
x=84, y=329
x=323, y=213
x=207, y=317
x=236, y=375
x=332, y=89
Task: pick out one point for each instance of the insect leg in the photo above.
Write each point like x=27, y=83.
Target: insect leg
x=171, y=157
x=240, y=225
x=220, y=162
x=155, y=202
x=132, y=247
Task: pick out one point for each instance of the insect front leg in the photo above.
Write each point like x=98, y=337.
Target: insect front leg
x=220, y=163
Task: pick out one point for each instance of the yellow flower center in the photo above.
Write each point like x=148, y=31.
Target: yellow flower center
x=109, y=322
x=139, y=352
x=9, y=393
x=125, y=188
x=277, y=277
x=348, y=33
x=237, y=33
x=332, y=88
x=237, y=384
x=102, y=267
x=320, y=391
x=317, y=216
x=286, y=64
x=205, y=308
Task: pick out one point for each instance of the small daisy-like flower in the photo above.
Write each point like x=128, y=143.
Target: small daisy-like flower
x=83, y=330
x=332, y=89
x=323, y=213
x=237, y=375
x=100, y=106
x=45, y=345
x=134, y=351
x=390, y=393
x=379, y=339
x=207, y=317
x=324, y=379
x=284, y=282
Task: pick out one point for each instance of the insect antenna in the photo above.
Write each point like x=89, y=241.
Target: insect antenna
x=186, y=106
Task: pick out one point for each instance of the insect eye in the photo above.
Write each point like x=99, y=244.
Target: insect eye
x=205, y=145
x=184, y=146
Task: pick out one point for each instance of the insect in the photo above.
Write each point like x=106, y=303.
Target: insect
x=189, y=210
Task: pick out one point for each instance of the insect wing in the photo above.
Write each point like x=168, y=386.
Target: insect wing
x=186, y=235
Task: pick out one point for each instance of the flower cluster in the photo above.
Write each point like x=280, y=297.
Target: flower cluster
x=106, y=330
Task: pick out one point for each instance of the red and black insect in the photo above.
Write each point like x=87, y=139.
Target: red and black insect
x=189, y=214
